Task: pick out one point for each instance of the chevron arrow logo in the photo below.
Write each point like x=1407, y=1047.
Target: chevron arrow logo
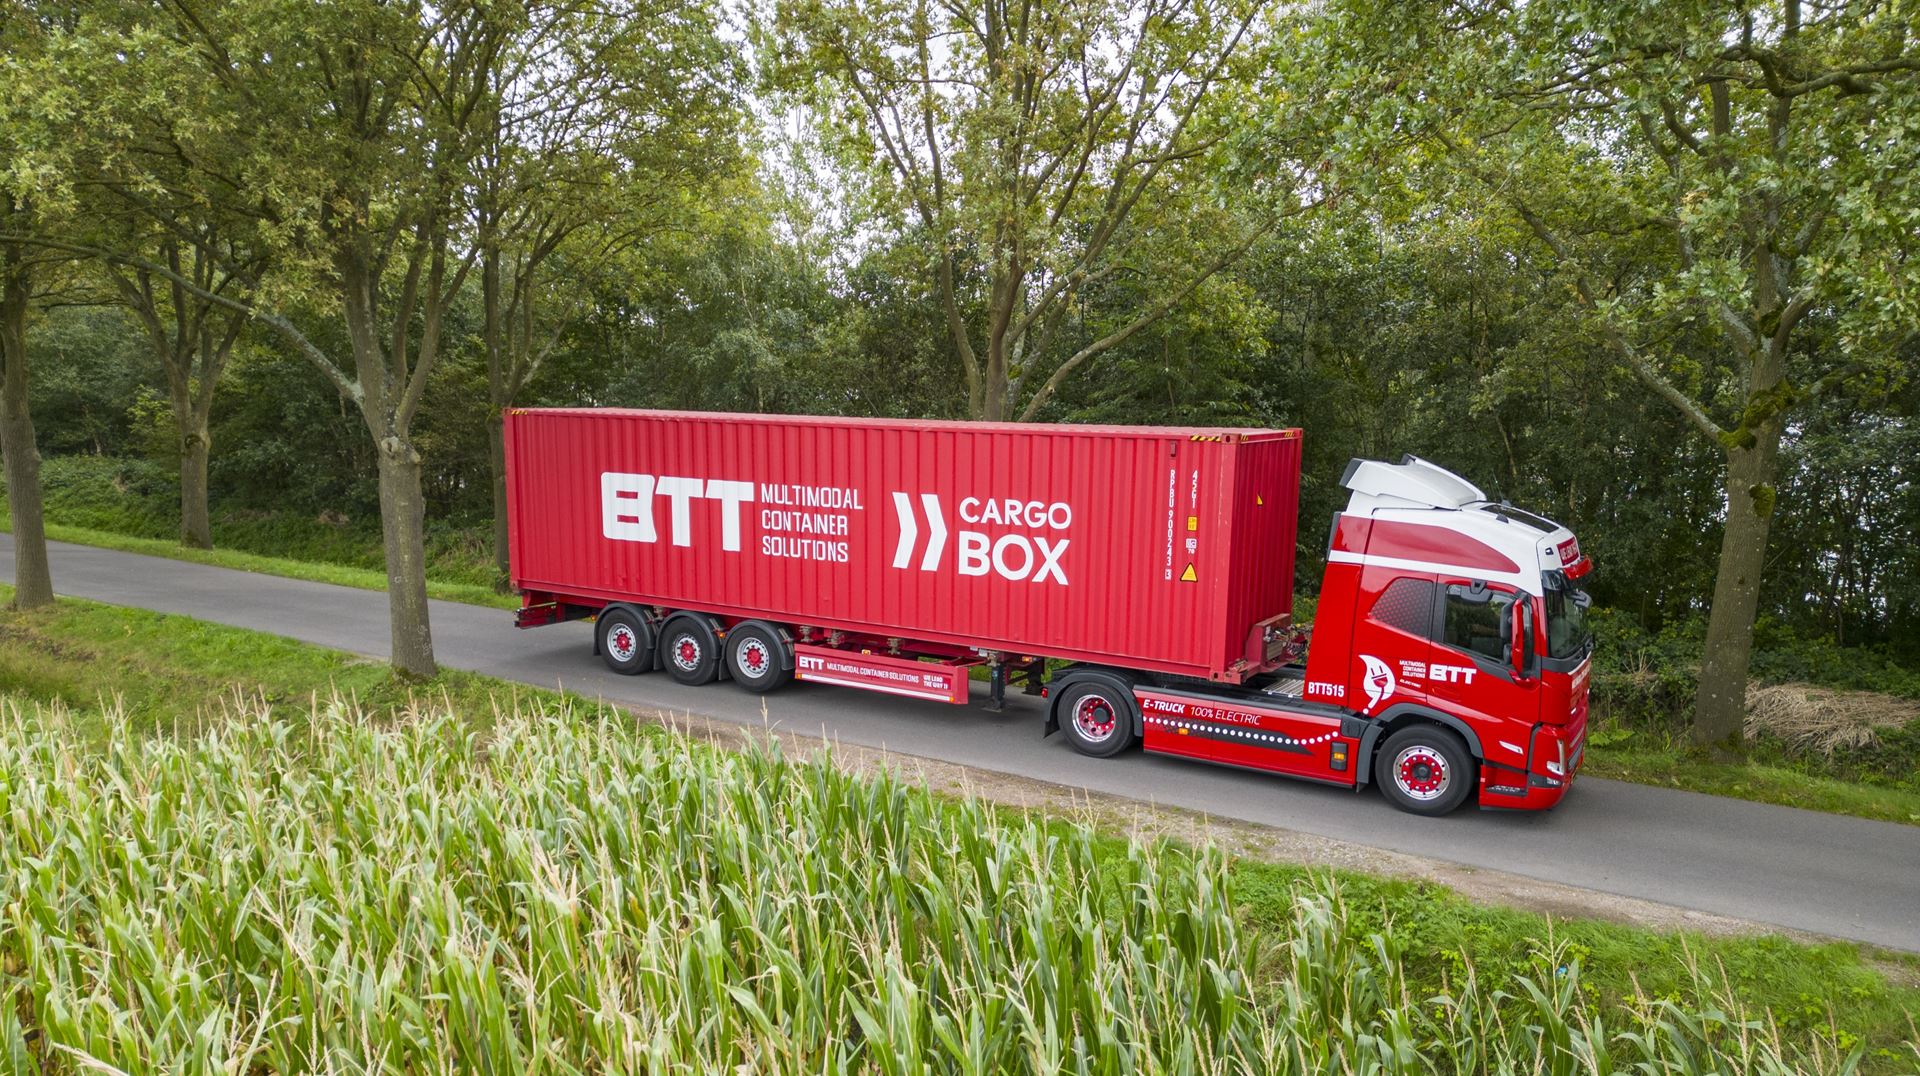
x=910, y=531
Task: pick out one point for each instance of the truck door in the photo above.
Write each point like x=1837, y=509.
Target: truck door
x=1391, y=639
x=1472, y=669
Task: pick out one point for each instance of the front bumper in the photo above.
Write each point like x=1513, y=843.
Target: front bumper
x=1553, y=762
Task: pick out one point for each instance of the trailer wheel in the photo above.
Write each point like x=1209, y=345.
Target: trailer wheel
x=1098, y=719
x=758, y=657
x=1425, y=769
x=626, y=643
x=689, y=651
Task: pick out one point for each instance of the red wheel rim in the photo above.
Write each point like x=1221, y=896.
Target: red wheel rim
x=686, y=652
x=1421, y=772
x=1094, y=717
x=622, y=643
x=754, y=659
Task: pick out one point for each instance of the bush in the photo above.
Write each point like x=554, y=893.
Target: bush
x=134, y=497
x=1643, y=688
x=1649, y=677
x=141, y=499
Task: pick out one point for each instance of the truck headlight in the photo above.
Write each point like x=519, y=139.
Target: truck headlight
x=1559, y=768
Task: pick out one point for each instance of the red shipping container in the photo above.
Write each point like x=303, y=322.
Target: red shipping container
x=1158, y=548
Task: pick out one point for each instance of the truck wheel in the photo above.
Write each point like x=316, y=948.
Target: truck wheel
x=689, y=651
x=626, y=643
x=758, y=658
x=1424, y=769
x=1098, y=719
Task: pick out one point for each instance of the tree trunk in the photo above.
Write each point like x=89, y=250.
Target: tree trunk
x=32, y=579
x=493, y=332
x=1720, y=707
x=497, y=460
x=196, y=528
x=403, y=532
x=994, y=405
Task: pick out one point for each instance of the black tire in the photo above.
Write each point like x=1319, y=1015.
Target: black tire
x=1425, y=769
x=1098, y=718
x=689, y=651
x=625, y=641
x=758, y=658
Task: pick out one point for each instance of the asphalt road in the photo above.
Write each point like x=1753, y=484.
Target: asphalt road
x=1828, y=874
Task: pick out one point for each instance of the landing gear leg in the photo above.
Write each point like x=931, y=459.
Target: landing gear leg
x=1036, y=679
x=997, y=687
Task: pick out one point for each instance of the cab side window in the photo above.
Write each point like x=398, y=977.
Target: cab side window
x=1406, y=604
x=1478, y=620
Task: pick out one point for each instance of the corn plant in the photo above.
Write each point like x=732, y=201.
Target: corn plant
x=566, y=894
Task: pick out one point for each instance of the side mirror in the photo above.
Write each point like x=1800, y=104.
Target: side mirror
x=1520, y=641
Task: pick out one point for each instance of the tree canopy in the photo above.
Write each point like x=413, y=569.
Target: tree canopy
x=1642, y=267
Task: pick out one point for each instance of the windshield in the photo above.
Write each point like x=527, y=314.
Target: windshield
x=1568, y=635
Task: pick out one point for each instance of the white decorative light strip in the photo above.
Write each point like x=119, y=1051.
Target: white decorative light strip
x=1240, y=733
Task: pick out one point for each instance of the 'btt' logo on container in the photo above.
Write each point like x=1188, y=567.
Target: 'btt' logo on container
x=626, y=506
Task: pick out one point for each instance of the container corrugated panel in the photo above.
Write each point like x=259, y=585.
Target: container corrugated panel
x=1144, y=547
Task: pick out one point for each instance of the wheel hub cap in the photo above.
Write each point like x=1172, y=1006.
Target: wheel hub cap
x=1421, y=772
x=753, y=657
x=1093, y=716
x=686, y=652
x=620, y=640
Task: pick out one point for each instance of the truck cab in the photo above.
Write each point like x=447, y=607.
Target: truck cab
x=1446, y=611
x=1448, y=657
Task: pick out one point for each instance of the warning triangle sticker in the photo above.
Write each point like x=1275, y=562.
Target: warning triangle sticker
x=1258, y=500
x=1189, y=575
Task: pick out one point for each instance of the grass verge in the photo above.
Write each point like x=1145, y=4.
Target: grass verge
x=1649, y=760
x=171, y=676
x=315, y=571
x=132, y=505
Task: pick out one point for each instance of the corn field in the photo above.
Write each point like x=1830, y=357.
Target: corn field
x=563, y=893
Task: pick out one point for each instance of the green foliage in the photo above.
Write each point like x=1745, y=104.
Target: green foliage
x=1030, y=159
x=117, y=676
x=1638, y=671
x=579, y=897
x=1643, y=686
x=139, y=500
x=1421, y=306
x=1442, y=941
x=1355, y=952
x=89, y=376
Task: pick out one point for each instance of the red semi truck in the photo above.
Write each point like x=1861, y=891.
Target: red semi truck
x=1140, y=578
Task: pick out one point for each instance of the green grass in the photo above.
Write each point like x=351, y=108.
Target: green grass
x=315, y=571
x=161, y=670
x=1643, y=689
x=133, y=506
x=1822, y=990
x=1649, y=759
x=176, y=677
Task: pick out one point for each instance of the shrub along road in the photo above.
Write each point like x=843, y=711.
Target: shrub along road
x=1829, y=874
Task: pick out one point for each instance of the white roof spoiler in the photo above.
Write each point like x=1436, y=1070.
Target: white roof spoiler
x=1411, y=483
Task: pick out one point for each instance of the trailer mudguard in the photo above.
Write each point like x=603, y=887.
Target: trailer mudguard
x=779, y=632
x=641, y=611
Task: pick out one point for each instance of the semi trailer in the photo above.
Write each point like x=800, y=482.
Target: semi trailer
x=1139, y=579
